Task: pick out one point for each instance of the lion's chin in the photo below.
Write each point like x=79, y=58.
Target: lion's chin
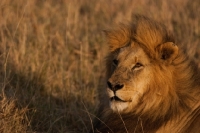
x=119, y=106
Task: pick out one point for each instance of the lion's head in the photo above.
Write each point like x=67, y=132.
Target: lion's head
x=144, y=71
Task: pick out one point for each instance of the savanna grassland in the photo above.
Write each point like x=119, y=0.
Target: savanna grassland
x=52, y=56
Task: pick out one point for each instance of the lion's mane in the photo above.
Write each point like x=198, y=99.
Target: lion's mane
x=177, y=80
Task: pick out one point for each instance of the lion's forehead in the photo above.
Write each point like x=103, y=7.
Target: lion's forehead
x=132, y=54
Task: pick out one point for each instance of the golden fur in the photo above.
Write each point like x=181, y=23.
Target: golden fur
x=153, y=87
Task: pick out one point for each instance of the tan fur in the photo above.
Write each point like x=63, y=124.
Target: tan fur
x=158, y=86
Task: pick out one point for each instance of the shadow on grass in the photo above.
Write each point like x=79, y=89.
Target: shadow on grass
x=40, y=111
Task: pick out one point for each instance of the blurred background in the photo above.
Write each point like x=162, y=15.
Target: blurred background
x=52, y=56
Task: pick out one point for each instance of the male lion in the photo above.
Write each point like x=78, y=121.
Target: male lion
x=152, y=86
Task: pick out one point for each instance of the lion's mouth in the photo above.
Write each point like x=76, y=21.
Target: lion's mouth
x=115, y=98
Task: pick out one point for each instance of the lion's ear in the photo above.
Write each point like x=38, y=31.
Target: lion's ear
x=167, y=52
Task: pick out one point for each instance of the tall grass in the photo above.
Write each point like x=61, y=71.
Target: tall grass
x=52, y=56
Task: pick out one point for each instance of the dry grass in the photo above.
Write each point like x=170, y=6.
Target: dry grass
x=52, y=52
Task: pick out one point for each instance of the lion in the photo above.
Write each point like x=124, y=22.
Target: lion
x=152, y=85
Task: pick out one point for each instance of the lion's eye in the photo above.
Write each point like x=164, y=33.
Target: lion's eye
x=115, y=62
x=137, y=65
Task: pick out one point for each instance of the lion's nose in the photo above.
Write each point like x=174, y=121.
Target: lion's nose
x=114, y=87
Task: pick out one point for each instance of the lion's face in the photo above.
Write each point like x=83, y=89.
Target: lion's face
x=140, y=68
x=130, y=78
